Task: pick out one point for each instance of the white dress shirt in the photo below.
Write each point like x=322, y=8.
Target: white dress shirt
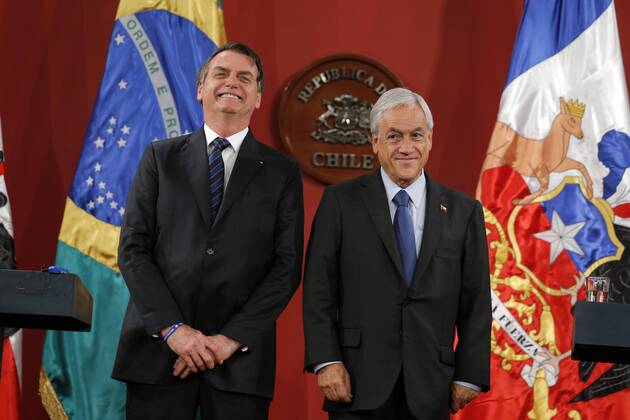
x=230, y=153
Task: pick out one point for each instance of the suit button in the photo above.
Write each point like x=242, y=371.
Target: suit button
x=210, y=251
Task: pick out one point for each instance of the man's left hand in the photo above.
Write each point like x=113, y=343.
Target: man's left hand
x=222, y=347
x=460, y=396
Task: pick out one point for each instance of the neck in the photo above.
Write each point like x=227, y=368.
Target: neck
x=226, y=125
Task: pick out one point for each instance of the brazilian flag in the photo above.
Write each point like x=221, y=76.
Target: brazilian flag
x=148, y=92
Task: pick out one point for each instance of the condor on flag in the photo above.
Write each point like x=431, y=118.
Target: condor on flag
x=147, y=93
x=556, y=194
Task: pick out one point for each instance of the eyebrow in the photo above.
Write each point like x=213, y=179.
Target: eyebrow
x=394, y=130
x=240, y=73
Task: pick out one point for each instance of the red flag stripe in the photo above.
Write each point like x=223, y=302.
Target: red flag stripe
x=9, y=385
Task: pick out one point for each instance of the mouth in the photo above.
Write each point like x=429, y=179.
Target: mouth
x=406, y=158
x=226, y=95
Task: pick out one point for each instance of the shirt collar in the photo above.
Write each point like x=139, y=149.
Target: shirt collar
x=416, y=190
x=235, y=140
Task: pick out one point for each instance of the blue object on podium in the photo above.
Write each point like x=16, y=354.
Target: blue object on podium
x=601, y=332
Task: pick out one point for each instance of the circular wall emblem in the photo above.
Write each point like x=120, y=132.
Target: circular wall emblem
x=324, y=117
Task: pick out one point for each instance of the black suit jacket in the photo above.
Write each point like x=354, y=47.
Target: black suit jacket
x=232, y=278
x=357, y=308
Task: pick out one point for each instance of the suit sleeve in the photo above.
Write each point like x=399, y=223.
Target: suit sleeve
x=321, y=285
x=472, y=355
x=149, y=293
x=272, y=295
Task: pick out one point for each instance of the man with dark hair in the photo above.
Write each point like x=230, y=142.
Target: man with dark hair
x=211, y=250
x=396, y=265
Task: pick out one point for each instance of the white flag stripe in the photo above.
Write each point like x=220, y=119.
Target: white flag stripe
x=16, y=344
x=5, y=211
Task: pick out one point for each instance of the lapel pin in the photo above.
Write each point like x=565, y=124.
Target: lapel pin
x=443, y=208
x=260, y=162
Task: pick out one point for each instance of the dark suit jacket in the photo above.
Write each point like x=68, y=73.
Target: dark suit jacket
x=232, y=278
x=357, y=308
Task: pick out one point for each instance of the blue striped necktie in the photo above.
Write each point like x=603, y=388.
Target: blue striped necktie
x=403, y=228
x=217, y=172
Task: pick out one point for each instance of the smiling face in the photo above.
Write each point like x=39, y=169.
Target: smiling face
x=230, y=88
x=403, y=143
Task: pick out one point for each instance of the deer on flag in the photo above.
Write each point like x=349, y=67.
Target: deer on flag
x=539, y=158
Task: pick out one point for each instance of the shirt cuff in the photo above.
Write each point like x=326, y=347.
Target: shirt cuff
x=468, y=385
x=320, y=366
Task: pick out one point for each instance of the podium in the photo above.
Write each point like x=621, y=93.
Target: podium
x=601, y=332
x=39, y=299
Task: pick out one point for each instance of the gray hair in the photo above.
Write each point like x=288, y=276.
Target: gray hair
x=394, y=98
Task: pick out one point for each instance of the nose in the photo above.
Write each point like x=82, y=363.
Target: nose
x=406, y=145
x=231, y=80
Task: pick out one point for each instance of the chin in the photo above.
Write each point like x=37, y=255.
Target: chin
x=409, y=174
x=228, y=110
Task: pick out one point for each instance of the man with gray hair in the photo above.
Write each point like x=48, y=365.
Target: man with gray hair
x=397, y=265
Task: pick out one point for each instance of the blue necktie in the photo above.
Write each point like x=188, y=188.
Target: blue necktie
x=217, y=171
x=403, y=227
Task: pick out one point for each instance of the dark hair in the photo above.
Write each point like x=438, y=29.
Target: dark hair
x=241, y=49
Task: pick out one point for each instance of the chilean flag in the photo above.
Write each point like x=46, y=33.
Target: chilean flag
x=11, y=374
x=555, y=187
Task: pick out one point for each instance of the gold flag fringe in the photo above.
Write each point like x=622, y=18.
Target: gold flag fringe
x=50, y=401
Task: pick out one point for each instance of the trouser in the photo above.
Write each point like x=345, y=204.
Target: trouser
x=182, y=401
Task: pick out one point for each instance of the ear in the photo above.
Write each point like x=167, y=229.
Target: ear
x=199, y=92
x=563, y=106
x=375, y=144
x=258, y=99
x=429, y=140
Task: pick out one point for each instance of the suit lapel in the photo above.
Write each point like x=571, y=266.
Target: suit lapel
x=375, y=200
x=195, y=161
x=248, y=162
x=433, y=222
